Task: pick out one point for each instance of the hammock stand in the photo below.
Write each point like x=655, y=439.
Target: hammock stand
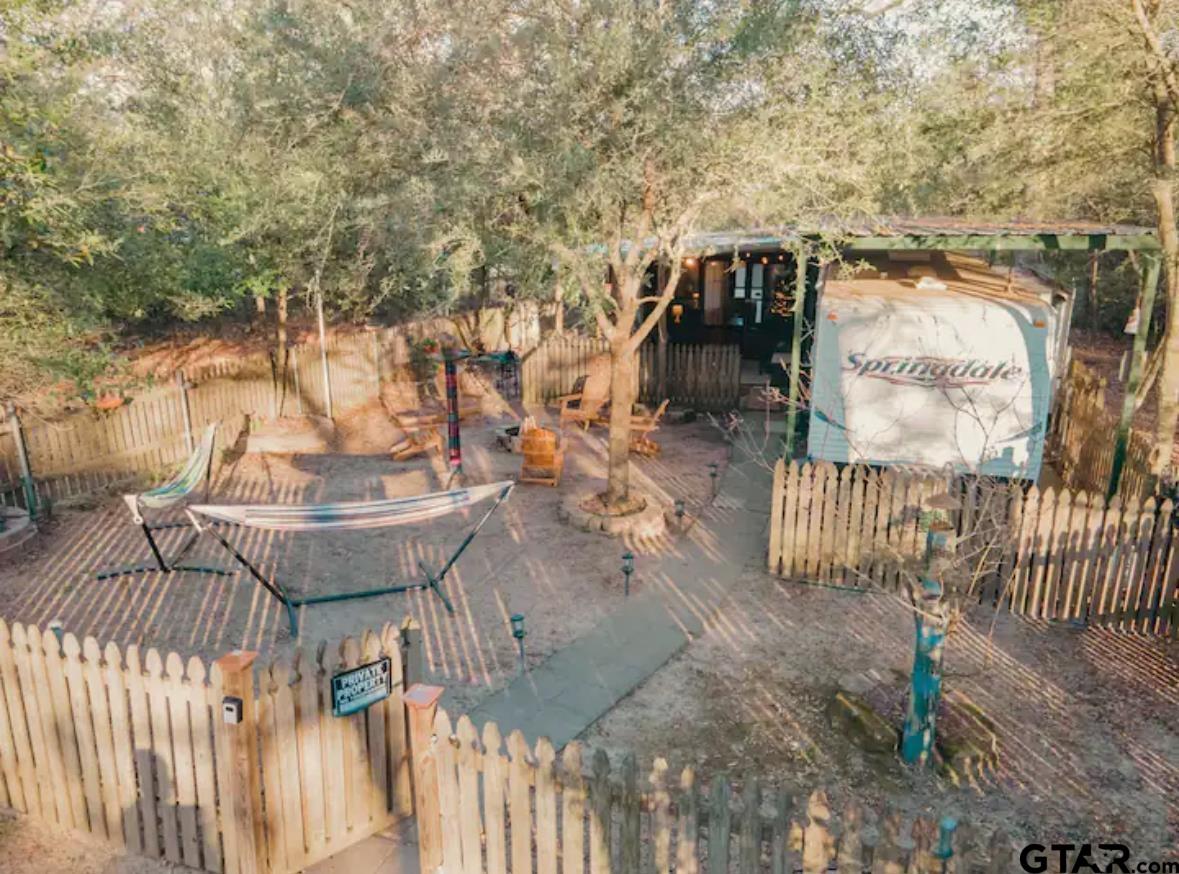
x=343, y=516
x=198, y=467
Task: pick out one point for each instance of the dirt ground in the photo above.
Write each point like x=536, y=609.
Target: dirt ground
x=523, y=561
x=1086, y=722
x=28, y=846
x=1088, y=740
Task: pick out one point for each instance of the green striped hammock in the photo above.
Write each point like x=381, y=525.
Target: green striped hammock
x=175, y=490
x=351, y=515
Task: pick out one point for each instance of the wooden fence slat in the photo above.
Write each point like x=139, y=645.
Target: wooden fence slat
x=777, y=512
x=104, y=746
x=494, y=789
x=630, y=849
x=183, y=777
x=546, y=807
x=749, y=853
x=310, y=754
x=600, y=826
x=687, y=825
x=35, y=686
x=377, y=748
x=470, y=825
x=333, y=755
x=229, y=837
x=204, y=765
x=19, y=767
x=661, y=821
x=790, y=519
x=161, y=752
x=264, y=713
x=448, y=793
x=572, y=813
x=519, y=803
x=718, y=826
x=145, y=760
x=353, y=730
x=82, y=718
x=396, y=738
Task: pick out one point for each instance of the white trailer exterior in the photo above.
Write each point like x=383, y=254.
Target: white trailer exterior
x=943, y=364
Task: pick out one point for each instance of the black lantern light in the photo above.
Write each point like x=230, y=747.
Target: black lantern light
x=518, y=632
x=679, y=510
x=713, y=473
x=628, y=568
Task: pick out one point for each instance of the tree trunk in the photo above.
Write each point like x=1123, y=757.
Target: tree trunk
x=925, y=688
x=931, y=615
x=1164, y=198
x=661, y=363
x=622, y=364
x=558, y=308
x=281, y=355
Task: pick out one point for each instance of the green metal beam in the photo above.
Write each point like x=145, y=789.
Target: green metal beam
x=1150, y=284
x=1006, y=243
x=800, y=259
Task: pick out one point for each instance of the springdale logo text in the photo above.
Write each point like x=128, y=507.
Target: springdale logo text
x=931, y=372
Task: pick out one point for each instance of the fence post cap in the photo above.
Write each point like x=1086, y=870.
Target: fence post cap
x=420, y=696
x=237, y=660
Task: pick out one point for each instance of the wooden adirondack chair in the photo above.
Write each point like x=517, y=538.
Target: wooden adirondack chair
x=544, y=457
x=641, y=426
x=418, y=440
x=587, y=406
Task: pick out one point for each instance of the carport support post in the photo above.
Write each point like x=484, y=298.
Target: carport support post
x=243, y=800
x=421, y=704
x=800, y=258
x=1150, y=285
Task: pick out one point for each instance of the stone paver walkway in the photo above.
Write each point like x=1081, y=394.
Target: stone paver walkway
x=680, y=594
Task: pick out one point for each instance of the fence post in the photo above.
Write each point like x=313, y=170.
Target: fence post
x=26, y=470
x=421, y=704
x=185, y=413
x=323, y=356
x=242, y=802
x=411, y=651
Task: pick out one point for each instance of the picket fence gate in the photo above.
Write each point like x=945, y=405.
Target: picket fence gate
x=132, y=748
x=702, y=376
x=529, y=810
x=1082, y=440
x=1060, y=556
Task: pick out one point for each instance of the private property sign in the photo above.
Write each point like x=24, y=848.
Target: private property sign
x=357, y=688
x=949, y=369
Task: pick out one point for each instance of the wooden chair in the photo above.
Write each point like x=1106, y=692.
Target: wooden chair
x=544, y=457
x=417, y=441
x=641, y=426
x=587, y=406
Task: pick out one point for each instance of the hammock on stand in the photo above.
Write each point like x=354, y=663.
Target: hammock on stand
x=174, y=491
x=351, y=516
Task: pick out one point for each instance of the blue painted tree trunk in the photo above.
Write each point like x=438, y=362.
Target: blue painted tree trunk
x=925, y=691
x=931, y=620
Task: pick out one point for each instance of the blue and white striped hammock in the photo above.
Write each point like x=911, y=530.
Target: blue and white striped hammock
x=352, y=514
x=175, y=490
x=196, y=469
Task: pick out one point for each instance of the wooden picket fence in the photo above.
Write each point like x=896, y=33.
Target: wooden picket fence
x=703, y=376
x=1082, y=440
x=132, y=748
x=89, y=451
x=1067, y=556
x=528, y=810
